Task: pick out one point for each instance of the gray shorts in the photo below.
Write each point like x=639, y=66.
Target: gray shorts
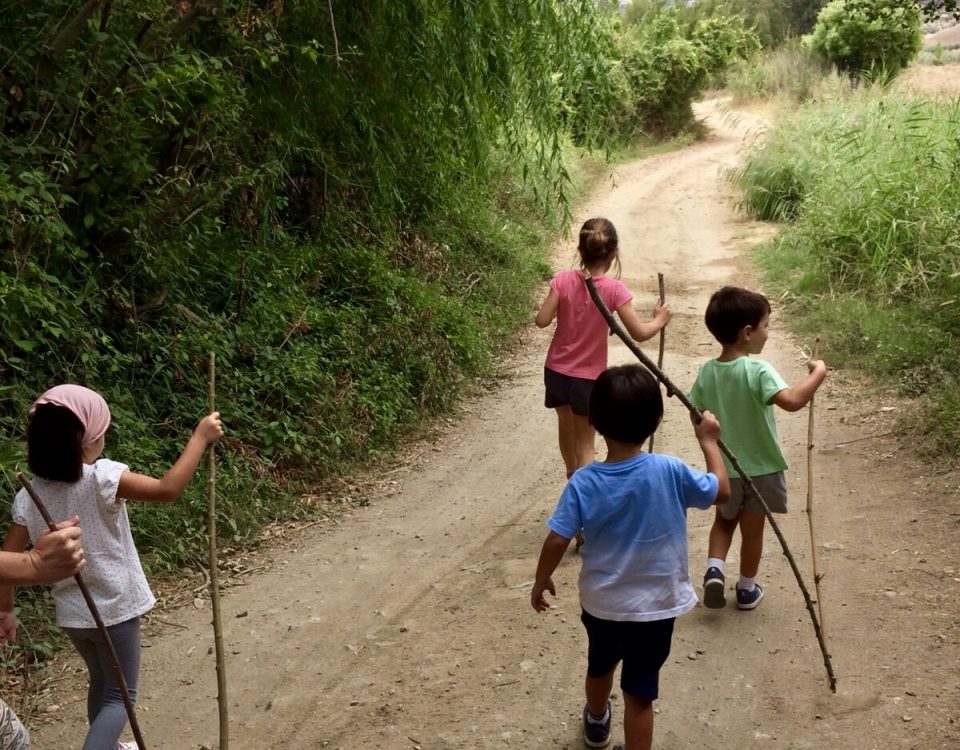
x=772, y=488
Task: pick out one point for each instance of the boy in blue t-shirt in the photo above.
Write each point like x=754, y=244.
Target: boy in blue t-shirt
x=742, y=392
x=634, y=579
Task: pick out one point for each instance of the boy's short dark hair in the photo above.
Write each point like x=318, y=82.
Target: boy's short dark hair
x=626, y=404
x=731, y=309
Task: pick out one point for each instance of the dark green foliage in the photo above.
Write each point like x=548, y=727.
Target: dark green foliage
x=772, y=21
x=667, y=61
x=341, y=218
x=868, y=38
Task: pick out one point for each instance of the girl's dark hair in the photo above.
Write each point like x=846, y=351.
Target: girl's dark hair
x=598, y=241
x=626, y=404
x=55, y=444
x=731, y=309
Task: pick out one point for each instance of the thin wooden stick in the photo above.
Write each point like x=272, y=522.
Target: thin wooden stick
x=672, y=390
x=813, y=539
x=663, y=296
x=92, y=606
x=214, y=573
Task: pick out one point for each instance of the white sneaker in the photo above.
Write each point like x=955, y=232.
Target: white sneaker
x=127, y=746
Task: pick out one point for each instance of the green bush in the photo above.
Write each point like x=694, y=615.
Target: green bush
x=352, y=220
x=668, y=66
x=868, y=38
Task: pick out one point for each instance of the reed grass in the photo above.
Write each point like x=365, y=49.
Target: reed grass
x=790, y=72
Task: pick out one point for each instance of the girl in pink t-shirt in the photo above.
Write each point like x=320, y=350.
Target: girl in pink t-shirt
x=578, y=352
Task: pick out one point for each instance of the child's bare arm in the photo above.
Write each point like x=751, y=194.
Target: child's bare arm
x=548, y=310
x=708, y=433
x=172, y=484
x=640, y=330
x=798, y=395
x=550, y=556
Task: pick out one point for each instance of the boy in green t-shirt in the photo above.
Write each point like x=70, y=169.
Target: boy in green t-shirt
x=741, y=392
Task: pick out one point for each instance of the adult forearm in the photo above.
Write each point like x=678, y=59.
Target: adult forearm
x=16, y=569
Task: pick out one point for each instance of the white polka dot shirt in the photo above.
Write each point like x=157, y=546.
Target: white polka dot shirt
x=113, y=574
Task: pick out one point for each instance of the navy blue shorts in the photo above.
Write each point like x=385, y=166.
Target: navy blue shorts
x=566, y=390
x=643, y=647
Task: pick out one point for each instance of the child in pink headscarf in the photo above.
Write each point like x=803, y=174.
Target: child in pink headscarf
x=65, y=438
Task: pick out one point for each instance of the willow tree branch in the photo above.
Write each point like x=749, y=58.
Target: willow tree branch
x=672, y=390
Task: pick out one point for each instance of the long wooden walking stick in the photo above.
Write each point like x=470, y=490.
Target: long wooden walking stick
x=214, y=573
x=663, y=297
x=92, y=606
x=813, y=538
x=672, y=390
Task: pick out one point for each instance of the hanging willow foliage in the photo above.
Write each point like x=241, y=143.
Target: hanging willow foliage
x=328, y=194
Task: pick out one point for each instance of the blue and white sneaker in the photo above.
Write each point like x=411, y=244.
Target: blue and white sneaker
x=749, y=598
x=713, y=589
x=596, y=732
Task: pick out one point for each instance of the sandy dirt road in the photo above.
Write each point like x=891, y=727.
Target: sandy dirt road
x=406, y=624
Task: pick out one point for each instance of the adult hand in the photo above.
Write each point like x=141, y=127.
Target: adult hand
x=58, y=554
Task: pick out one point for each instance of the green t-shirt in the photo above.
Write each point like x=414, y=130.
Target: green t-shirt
x=740, y=393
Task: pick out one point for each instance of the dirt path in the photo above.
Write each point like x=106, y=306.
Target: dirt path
x=407, y=623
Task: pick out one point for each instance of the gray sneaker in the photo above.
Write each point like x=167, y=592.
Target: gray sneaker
x=713, y=589
x=596, y=733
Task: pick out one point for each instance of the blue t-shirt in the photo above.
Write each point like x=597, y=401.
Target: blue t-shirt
x=634, y=518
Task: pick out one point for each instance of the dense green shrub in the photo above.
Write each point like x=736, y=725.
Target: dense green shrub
x=872, y=38
x=668, y=65
x=338, y=207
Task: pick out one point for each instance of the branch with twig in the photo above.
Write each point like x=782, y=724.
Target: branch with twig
x=672, y=390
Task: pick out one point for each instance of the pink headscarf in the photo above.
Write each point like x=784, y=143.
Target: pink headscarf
x=88, y=406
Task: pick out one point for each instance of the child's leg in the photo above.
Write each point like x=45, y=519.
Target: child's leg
x=751, y=542
x=566, y=433
x=598, y=692
x=105, y=707
x=637, y=722
x=721, y=535
x=646, y=652
x=85, y=641
x=584, y=438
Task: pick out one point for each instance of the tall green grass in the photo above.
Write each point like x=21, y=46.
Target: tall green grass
x=869, y=184
x=789, y=72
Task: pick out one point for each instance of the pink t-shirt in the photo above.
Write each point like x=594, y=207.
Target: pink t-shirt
x=579, y=346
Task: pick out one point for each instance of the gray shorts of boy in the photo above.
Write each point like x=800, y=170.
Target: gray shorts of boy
x=772, y=488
